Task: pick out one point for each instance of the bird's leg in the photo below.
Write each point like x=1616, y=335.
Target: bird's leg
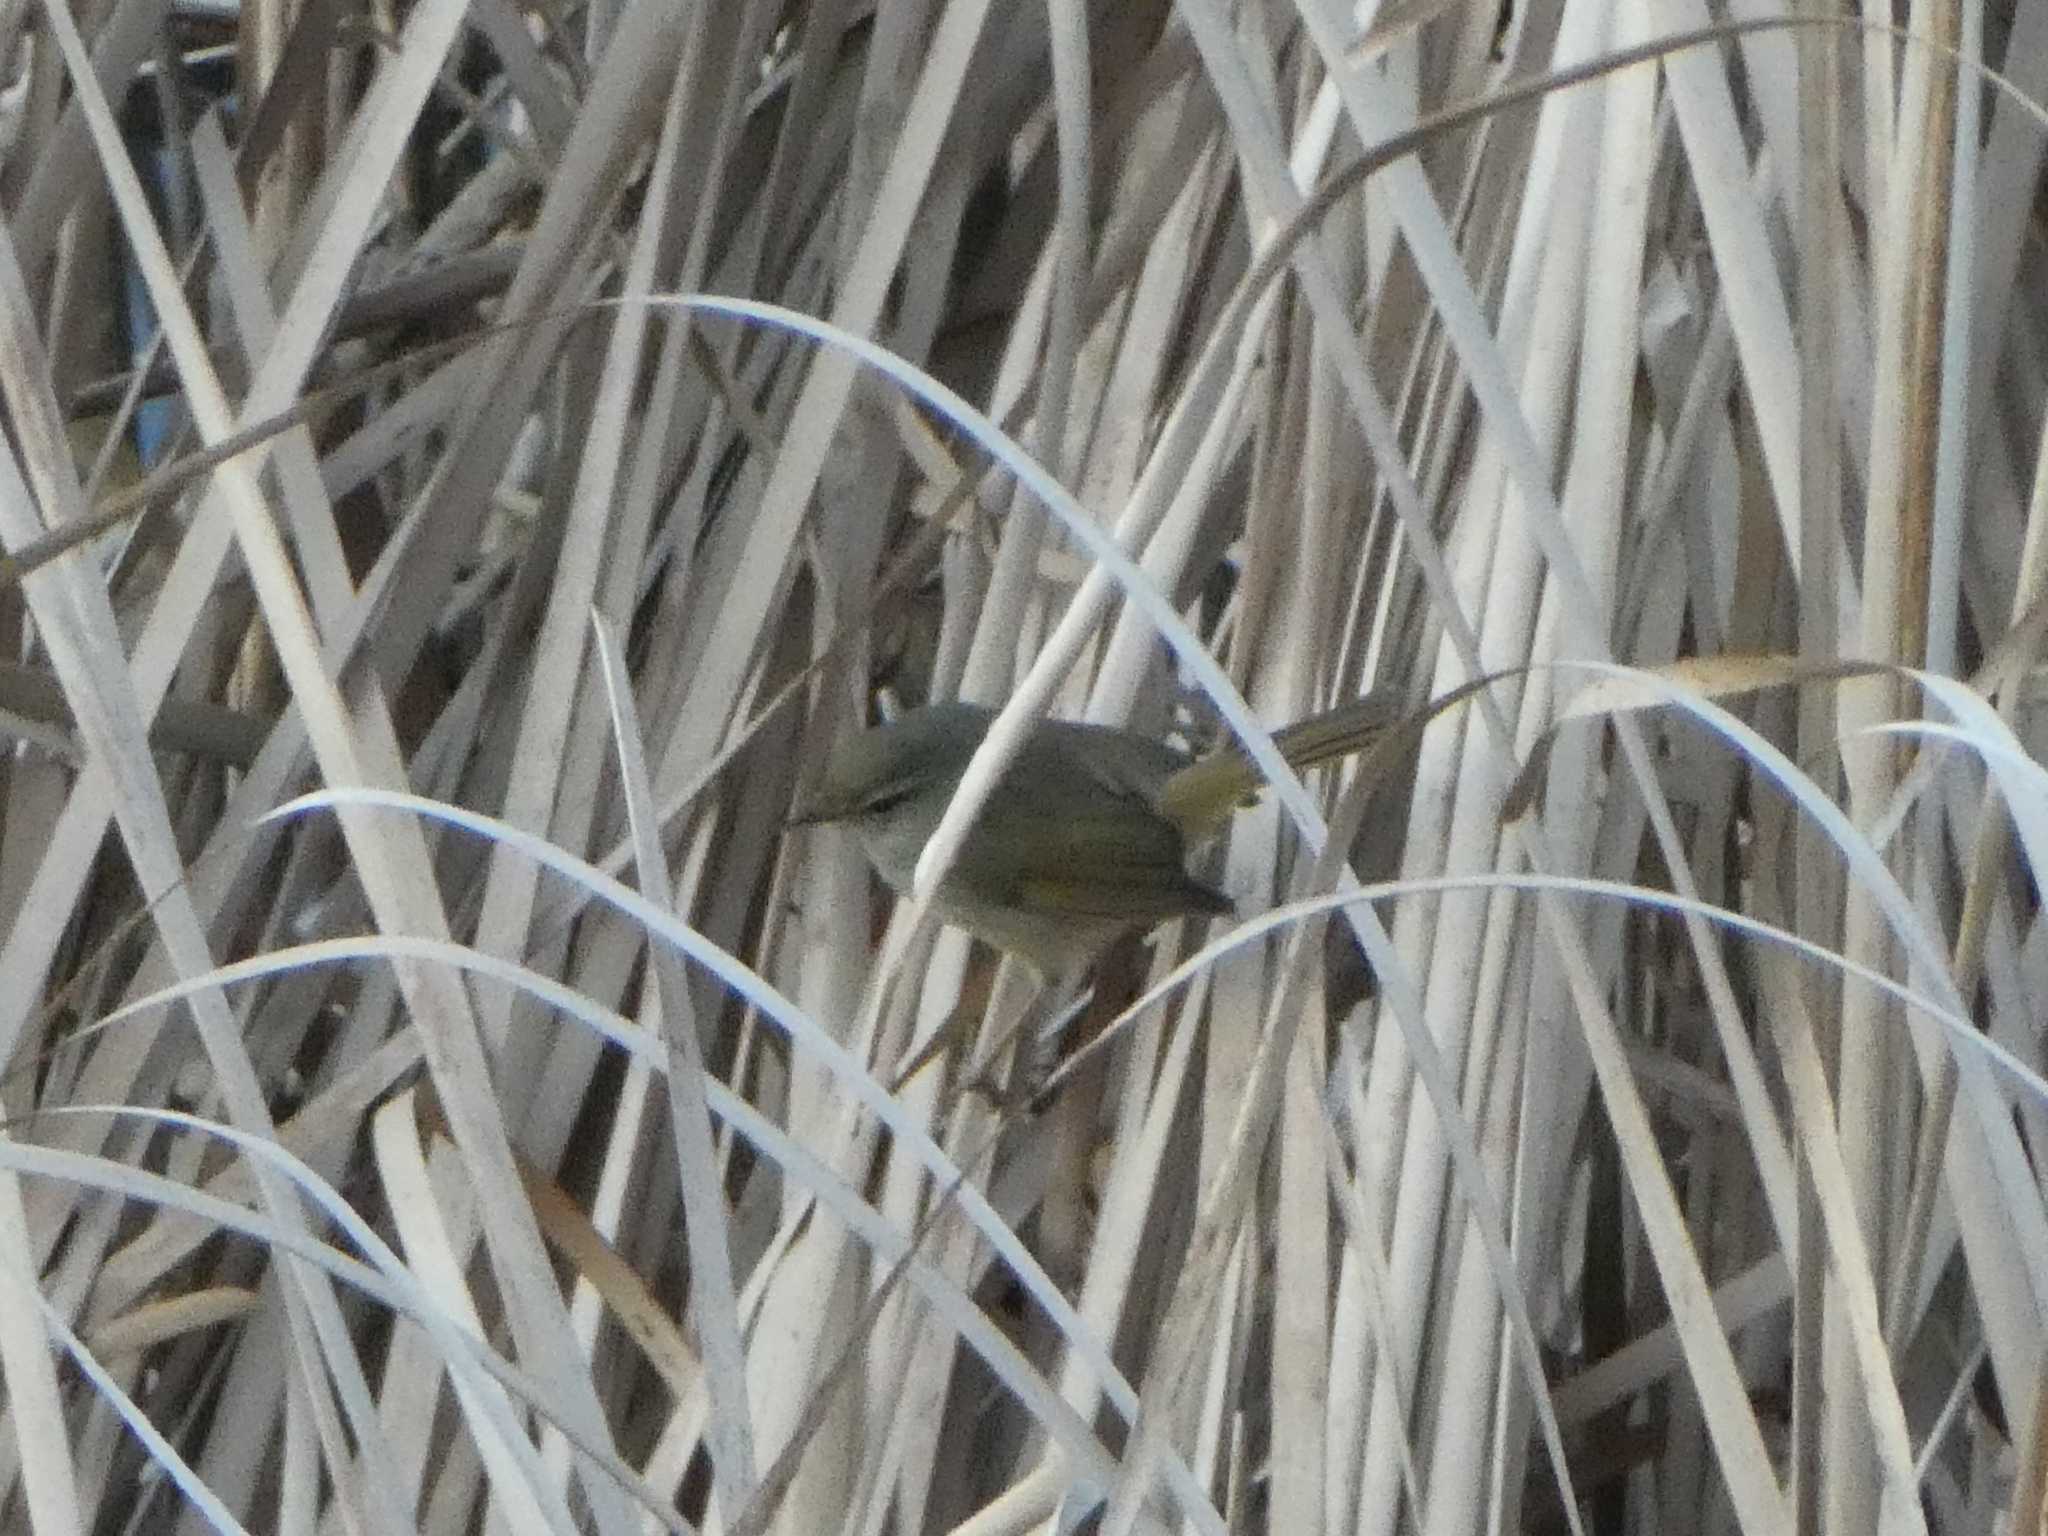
x=1044, y=1011
x=941, y=1041
x=1072, y=1118
x=995, y=1002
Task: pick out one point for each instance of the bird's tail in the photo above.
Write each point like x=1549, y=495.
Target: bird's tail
x=1203, y=796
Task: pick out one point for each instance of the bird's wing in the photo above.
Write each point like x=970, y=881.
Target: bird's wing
x=1108, y=865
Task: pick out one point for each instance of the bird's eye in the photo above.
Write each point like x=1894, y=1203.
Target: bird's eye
x=887, y=801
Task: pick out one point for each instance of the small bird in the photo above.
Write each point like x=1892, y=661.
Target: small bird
x=1086, y=835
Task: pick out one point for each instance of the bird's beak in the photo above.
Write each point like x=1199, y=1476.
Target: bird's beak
x=816, y=813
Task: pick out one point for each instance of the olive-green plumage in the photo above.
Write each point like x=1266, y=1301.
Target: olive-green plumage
x=1085, y=836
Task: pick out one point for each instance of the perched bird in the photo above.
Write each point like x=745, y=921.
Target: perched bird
x=1086, y=835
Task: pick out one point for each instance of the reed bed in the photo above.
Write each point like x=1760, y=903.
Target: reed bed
x=467, y=464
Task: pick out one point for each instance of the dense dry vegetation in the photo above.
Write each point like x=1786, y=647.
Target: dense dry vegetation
x=542, y=1154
